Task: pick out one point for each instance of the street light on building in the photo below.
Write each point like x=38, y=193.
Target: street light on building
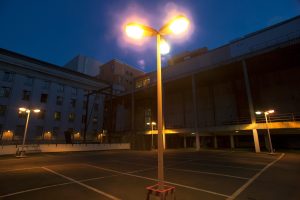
x=27, y=111
x=134, y=30
x=266, y=113
x=152, y=124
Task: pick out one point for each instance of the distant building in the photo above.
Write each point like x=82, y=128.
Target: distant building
x=120, y=75
x=84, y=64
x=58, y=92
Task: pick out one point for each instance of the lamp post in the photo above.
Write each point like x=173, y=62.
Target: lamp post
x=152, y=124
x=136, y=31
x=27, y=111
x=266, y=113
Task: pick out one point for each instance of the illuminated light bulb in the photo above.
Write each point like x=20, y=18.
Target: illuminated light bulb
x=164, y=47
x=134, y=31
x=179, y=25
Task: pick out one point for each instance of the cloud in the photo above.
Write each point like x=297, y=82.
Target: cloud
x=141, y=63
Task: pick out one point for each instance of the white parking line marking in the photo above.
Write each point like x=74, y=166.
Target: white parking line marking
x=152, y=179
x=209, y=173
x=35, y=189
x=82, y=184
x=241, y=189
x=19, y=169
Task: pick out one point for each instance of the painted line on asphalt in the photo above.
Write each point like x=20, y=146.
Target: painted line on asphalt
x=227, y=166
x=209, y=173
x=35, y=189
x=55, y=185
x=82, y=184
x=19, y=169
x=152, y=179
x=243, y=187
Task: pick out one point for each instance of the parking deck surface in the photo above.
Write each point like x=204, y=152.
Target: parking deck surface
x=125, y=175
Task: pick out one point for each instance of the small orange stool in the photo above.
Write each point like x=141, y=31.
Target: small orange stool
x=161, y=193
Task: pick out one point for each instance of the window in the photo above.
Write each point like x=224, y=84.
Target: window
x=46, y=84
x=57, y=116
x=95, y=119
x=74, y=91
x=73, y=103
x=60, y=88
x=44, y=98
x=26, y=95
x=8, y=76
x=55, y=131
x=3, y=110
x=59, y=100
x=41, y=114
x=71, y=117
x=147, y=115
x=5, y=91
x=142, y=82
x=29, y=80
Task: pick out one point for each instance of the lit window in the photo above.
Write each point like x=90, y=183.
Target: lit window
x=26, y=95
x=71, y=117
x=57, y=116
x=5, y=91
x=142, y=82
x=44, y=98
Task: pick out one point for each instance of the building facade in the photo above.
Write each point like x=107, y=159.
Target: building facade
x=58, y=92
x=210, y=97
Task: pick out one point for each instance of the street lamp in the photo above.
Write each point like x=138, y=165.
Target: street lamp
x=266, y=113
x=27, y=111
x=152, y=124
x=176, y=26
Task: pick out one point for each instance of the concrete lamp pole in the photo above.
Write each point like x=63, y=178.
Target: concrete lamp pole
x=266, y=113
x=27, y=111
x=177, y=25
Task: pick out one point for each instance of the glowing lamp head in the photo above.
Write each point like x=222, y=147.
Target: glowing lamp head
x=258, y=112
x=164, y=47
x=22, y=109
x=36, y=110
x=179, y=25
x=271, y=111
x=134, y=31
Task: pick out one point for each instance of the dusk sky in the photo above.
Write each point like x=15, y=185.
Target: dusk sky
x=55, y=31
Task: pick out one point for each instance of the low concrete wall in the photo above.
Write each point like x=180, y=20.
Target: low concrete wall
x=11, y=149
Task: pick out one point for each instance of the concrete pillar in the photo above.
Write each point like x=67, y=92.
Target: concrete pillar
x=232, y=141
x=184, y=141
x=215, y=142
x=197, y=142
x=251, y=108
x=195, y=113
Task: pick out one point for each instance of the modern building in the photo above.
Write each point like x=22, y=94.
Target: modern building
x=59, y=93
x=210, y=97
x=84, y=64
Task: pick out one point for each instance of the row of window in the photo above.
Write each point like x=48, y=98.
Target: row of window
x=41, y=115
x=10, y=76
